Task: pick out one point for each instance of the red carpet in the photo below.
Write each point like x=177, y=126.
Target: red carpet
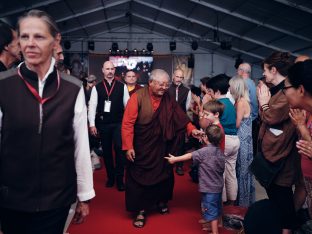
x=108, y=214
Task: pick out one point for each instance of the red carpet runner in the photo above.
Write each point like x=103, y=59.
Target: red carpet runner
x=108, y=214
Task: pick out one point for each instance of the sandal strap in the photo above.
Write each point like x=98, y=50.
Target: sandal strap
x=141, y=221
x=163, y=208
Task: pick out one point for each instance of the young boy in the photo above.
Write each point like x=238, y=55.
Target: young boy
x=211, y=168
x=218, y=87
x=211, y=114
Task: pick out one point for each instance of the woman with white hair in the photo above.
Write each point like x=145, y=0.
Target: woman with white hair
x=246, y=188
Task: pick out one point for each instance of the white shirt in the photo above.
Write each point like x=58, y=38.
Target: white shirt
x=93, y=102
x=188, y=100
x=229, y=96
x=83, y=165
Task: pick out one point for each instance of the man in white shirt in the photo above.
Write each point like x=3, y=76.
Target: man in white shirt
x=106, y=107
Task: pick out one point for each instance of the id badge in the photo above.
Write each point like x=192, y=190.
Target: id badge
x=107, y=106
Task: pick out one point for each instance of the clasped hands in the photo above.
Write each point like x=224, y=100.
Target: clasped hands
x=263, y=94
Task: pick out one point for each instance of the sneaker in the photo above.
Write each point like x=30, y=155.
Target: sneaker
x=98, y=151
x=179, y=171
x=96, y=163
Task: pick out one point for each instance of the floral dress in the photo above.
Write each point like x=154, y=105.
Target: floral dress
x=246, y=186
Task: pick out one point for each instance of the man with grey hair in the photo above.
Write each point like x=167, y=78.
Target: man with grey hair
x=152, y=126
x=244, y=71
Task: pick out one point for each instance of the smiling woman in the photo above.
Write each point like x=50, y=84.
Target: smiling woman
x=300, y=97
x=44, y=136
x=299, y=79
x=276, y=129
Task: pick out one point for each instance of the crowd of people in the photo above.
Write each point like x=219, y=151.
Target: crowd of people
x=54, y=127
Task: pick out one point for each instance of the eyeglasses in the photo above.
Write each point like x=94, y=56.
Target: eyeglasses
x=286, y=87
x=241, y=69
x=166, y=85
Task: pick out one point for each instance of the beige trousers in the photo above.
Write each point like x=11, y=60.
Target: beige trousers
x=230, y=181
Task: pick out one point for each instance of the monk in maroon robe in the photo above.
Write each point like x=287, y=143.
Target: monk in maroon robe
x=152, y=126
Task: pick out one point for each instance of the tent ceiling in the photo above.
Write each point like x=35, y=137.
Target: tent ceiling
x=254, y=28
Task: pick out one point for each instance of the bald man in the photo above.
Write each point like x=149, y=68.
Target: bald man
x=183, y=96
x=302, y=58
x=106, y=107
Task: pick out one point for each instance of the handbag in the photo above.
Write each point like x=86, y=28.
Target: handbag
x=265, y=171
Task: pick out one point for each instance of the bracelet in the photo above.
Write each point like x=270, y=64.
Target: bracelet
x=265, y=107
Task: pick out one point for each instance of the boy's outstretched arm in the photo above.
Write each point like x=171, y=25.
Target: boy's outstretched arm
x=173, y=159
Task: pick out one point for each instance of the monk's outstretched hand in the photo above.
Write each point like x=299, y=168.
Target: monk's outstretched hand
x=197, y=133
x=130, y=154
x=171, y=159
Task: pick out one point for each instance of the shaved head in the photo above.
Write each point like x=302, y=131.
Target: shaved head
x=108, y=70
x=108, y=64
x=302, y=58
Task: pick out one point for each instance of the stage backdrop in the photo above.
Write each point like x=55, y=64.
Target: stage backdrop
x=181, y=62
x=165, y=62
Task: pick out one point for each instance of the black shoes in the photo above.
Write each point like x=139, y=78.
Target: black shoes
x=120, y=185
x=179, y=171
x=110, y=183
x=119, y=182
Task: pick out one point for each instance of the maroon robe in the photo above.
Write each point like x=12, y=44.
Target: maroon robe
x=136, y=88
x=150, y=178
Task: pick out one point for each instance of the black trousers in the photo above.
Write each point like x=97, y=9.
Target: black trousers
x=111, y=135
x=284, y=199
x=43, y=222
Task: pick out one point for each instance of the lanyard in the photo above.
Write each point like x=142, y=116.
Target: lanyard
x=35, y=92
x=111, y=90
